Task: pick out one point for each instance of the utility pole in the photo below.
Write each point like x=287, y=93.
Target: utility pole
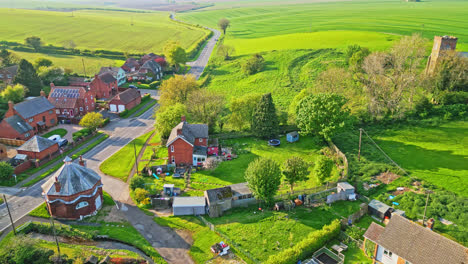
x=136, y=160
x=53, y=229
x=360, y=138
x=11, y=219
x=84, y=68
x=425, y=208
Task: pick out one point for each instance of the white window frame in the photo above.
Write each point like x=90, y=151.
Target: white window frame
x=86, y=100
x=81, y=205
x=81, y=108
x=172, y=148
x=200, y=140
x=57, y=111
x=31, y=120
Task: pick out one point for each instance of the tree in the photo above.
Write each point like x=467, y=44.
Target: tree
x=292, y=109
x=54, y=75
x=22, y=249
x=223, y=24
x=42, y=62
x=92, y=121
x=451, y=74
x=7, y=58
x=175, y=54
x=13, y=93
x=140, y=194
x=295, y=169
x=322, y=114
x=28, y=77
x=264, y=119
x=242, y=109
x=177, y=89
x=168, y=117
x=137, y=182
x=323, y=168
x=263, y=177
x=6, y=170
x=253, y=64
x=206, y=107
x=34, y=42
x=225, y=51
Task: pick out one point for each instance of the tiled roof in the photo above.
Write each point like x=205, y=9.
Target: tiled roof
x=66, y=96
x=37, y=144
x=12, y=69
x=189, y=132
x=113, y=70
x=218, y=194
x=200, y=150
x=240, y=189
x=373, y=232
x=420, y=245
x=127, y=96
x=73, y=179
x=107, y=77
x=152, y=66
x=33, y=107
x=18, y=124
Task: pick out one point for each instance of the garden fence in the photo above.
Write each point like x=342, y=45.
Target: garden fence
x=315, y=191
x=344, y=173
x=346, y=238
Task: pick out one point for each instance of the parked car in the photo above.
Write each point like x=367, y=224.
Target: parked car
x=55, y=138
x=63, y=142
x=132, y=86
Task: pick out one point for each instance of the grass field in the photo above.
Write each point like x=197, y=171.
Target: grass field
x=60, y=131
x=89, y=29
x=74, y=63
x=268, y=27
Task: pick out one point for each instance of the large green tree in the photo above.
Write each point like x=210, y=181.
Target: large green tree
x=223, y=24
x=168, y=117
x=175, y=54
x=34, y=42
x=177, y=89
x=206, y=107
x=295, y=169
x=13, y=93
x=6, y=170
x=323, y=168
x=53, y=74
x=264, y=119
x=322, y=114
x=242, y=109
x=263, y=177
x=28, y=77
x=7, y=58
x=42, y=62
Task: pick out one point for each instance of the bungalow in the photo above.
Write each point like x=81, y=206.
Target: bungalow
x=25, y=119
x=7, y=74
x=71, y=101
x=125, y=100
x=73, y=192
x=117, y=72
x=187, y=144
x=405, y=242
x=38, y=148
x=104, y=85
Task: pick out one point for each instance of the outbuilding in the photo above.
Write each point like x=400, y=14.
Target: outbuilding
x=188, y=206
x=379, y=209
x=125, y=100
x=38, y=148
x=346, y=188
x=292, y=137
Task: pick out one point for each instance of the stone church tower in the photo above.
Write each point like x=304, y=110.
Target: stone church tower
x=441, y=45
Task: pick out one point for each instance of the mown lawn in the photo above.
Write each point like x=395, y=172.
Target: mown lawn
x=120, y=164
x=119, y=31
x=59, y=131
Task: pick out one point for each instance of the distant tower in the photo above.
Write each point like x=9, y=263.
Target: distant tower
x=441, y=45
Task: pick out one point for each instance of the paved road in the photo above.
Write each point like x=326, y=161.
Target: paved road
x=198, y=66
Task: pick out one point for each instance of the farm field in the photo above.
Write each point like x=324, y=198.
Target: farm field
x=285, y=74
x=382, y=17
x=74, y=63
x=90, y=29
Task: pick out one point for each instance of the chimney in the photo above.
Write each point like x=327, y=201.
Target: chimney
x=183, y=118
x=57, y=185
x=82, y=162
x=43, y=93
x=430, y=223
x=52, y=85
x=11, y=109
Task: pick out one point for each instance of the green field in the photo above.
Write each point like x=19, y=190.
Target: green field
x=74, y=63
x=90, y=29
x=256, y=27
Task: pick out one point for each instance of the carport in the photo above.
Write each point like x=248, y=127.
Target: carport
x=188, y=206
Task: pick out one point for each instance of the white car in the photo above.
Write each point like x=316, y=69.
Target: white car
x=55, y=138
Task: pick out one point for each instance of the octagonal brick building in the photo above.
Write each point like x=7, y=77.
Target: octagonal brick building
x=73, y=192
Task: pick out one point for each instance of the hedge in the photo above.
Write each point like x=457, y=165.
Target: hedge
x=65, y=231
x=308, y=246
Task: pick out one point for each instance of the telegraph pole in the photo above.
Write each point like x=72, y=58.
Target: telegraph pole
x=53, y=228
x=425, y=208
x=11, y=219
x=360, y=138
x=84, y=68
x=136, y=159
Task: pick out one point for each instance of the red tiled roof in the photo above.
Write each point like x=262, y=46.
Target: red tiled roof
x=66, y=96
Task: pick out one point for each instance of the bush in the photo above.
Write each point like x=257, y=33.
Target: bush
x=253, y=65
x=453, y=98
x=123, y=113
x=306, y=247
x=141, y=195
x=146, y=98
x=137, y=182
x=6, y=170
x=105, y=122
x=154, y=84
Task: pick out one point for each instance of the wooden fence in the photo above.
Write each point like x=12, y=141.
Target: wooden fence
x=12, y=142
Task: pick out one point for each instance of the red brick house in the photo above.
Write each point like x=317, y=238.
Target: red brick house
x=39, y=148
x=71, y=101
x=73, y=192
x=104, y=85
x=131, y=65
x=7, y=74
x=187, y=144
x=25, y=119
x=125, y=100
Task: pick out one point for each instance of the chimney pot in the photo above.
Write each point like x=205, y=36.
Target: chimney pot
x=183, y=118
x=43, y=94
x=57, y=185
x=82, y=162
x=430, y=223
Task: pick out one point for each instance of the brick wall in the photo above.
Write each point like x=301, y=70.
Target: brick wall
x=182, y=152
x=102, y=89
x=204, y=142
x=43, y=154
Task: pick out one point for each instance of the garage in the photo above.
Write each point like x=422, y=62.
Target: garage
x=188, y=206
x=121, y=108
x=113, y=108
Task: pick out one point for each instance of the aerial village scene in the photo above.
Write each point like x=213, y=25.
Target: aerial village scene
x=234, y=131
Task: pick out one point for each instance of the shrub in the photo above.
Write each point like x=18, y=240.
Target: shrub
x=154, y=84
x=140, y=195
x=6, y=170
x=137, y=182
x=253, y=65
x=454, y=98
x=105, y=122
x=146, y=97
x=123, y=113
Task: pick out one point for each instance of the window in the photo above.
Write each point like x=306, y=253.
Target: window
x=57, y=111
x=91, y=97
x=27, y=135
x=81, y=108
x=173, y=159
x=87, y=108
x=81, y=205
x=172, y=148
x=52, y=121
x=200, y=140
x=86, y=100
x=31, y=119
x=43, y=119
x=1, y=75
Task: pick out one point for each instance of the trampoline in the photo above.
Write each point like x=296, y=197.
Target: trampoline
x=274, y=142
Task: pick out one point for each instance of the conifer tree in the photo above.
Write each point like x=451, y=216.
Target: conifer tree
x=27, y=76
x=264, y=120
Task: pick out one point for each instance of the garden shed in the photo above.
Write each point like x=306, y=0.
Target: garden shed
x=188, y=206
x=241, y=195
x=379, y=209
x=292, y=137
x=348, y=189
x=218, y=200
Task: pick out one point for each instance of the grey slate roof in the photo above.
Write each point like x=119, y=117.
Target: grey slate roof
x=113, y=70
x=73, y=178
x=379, y=206
x=189, y=132
x=37, y=144
x=12, y=69
x=188, y=201
x=373, y=232
x=152, y=66
x=200, y=150
x=420, y=245
x=218, y=194
x=107, y=77
x=18, y=124
x=32, y=107
x=345, y=186
x=240, y=189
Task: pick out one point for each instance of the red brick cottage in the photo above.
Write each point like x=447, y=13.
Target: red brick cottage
x=125, y=100
x=70, y=101
x=39, y=148
x=187, y=144
x=104, y=85
x=25, y=119
x=73, y=192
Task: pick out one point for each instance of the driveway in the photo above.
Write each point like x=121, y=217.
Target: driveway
x=70, y=130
